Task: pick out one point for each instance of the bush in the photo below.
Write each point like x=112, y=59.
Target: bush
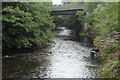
x=109, y=49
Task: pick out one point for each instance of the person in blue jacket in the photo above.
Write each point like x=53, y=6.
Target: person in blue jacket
x=92, y=53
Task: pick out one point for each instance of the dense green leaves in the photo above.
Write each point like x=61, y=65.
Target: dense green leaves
x=90, y=6
x=25, y=24
x=102, y=20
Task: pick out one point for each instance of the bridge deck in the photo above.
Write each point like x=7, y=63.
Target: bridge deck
x=65, y=11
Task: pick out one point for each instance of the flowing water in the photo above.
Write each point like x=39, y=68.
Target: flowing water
x=66, y=58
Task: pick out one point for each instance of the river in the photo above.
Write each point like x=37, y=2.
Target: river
x=66, y=58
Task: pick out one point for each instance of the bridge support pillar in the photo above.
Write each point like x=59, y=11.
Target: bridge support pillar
x=86, y=25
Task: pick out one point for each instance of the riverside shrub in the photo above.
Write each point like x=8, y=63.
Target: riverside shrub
x=109, y=45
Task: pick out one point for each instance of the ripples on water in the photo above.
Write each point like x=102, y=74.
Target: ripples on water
x=69, y=59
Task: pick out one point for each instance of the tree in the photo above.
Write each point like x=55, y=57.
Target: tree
x=25, y=24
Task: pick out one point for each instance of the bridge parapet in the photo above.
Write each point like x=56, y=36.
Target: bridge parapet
x=70, y=11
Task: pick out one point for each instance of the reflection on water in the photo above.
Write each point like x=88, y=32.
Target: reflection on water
x=69, y=59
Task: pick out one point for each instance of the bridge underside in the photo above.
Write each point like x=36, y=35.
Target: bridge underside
x=65, y=12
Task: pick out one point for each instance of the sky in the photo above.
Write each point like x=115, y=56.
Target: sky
x=56, y=2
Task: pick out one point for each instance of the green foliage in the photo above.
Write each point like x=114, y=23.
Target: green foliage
x=81, y=16
x=109, y=49
x=108, y=43
x=106, y=20
x=25, y=24
x=90, y=6
x=102, y=20
x=59, y=20
x=70, y=21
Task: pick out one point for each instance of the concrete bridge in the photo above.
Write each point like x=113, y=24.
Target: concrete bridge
x=71, y=11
